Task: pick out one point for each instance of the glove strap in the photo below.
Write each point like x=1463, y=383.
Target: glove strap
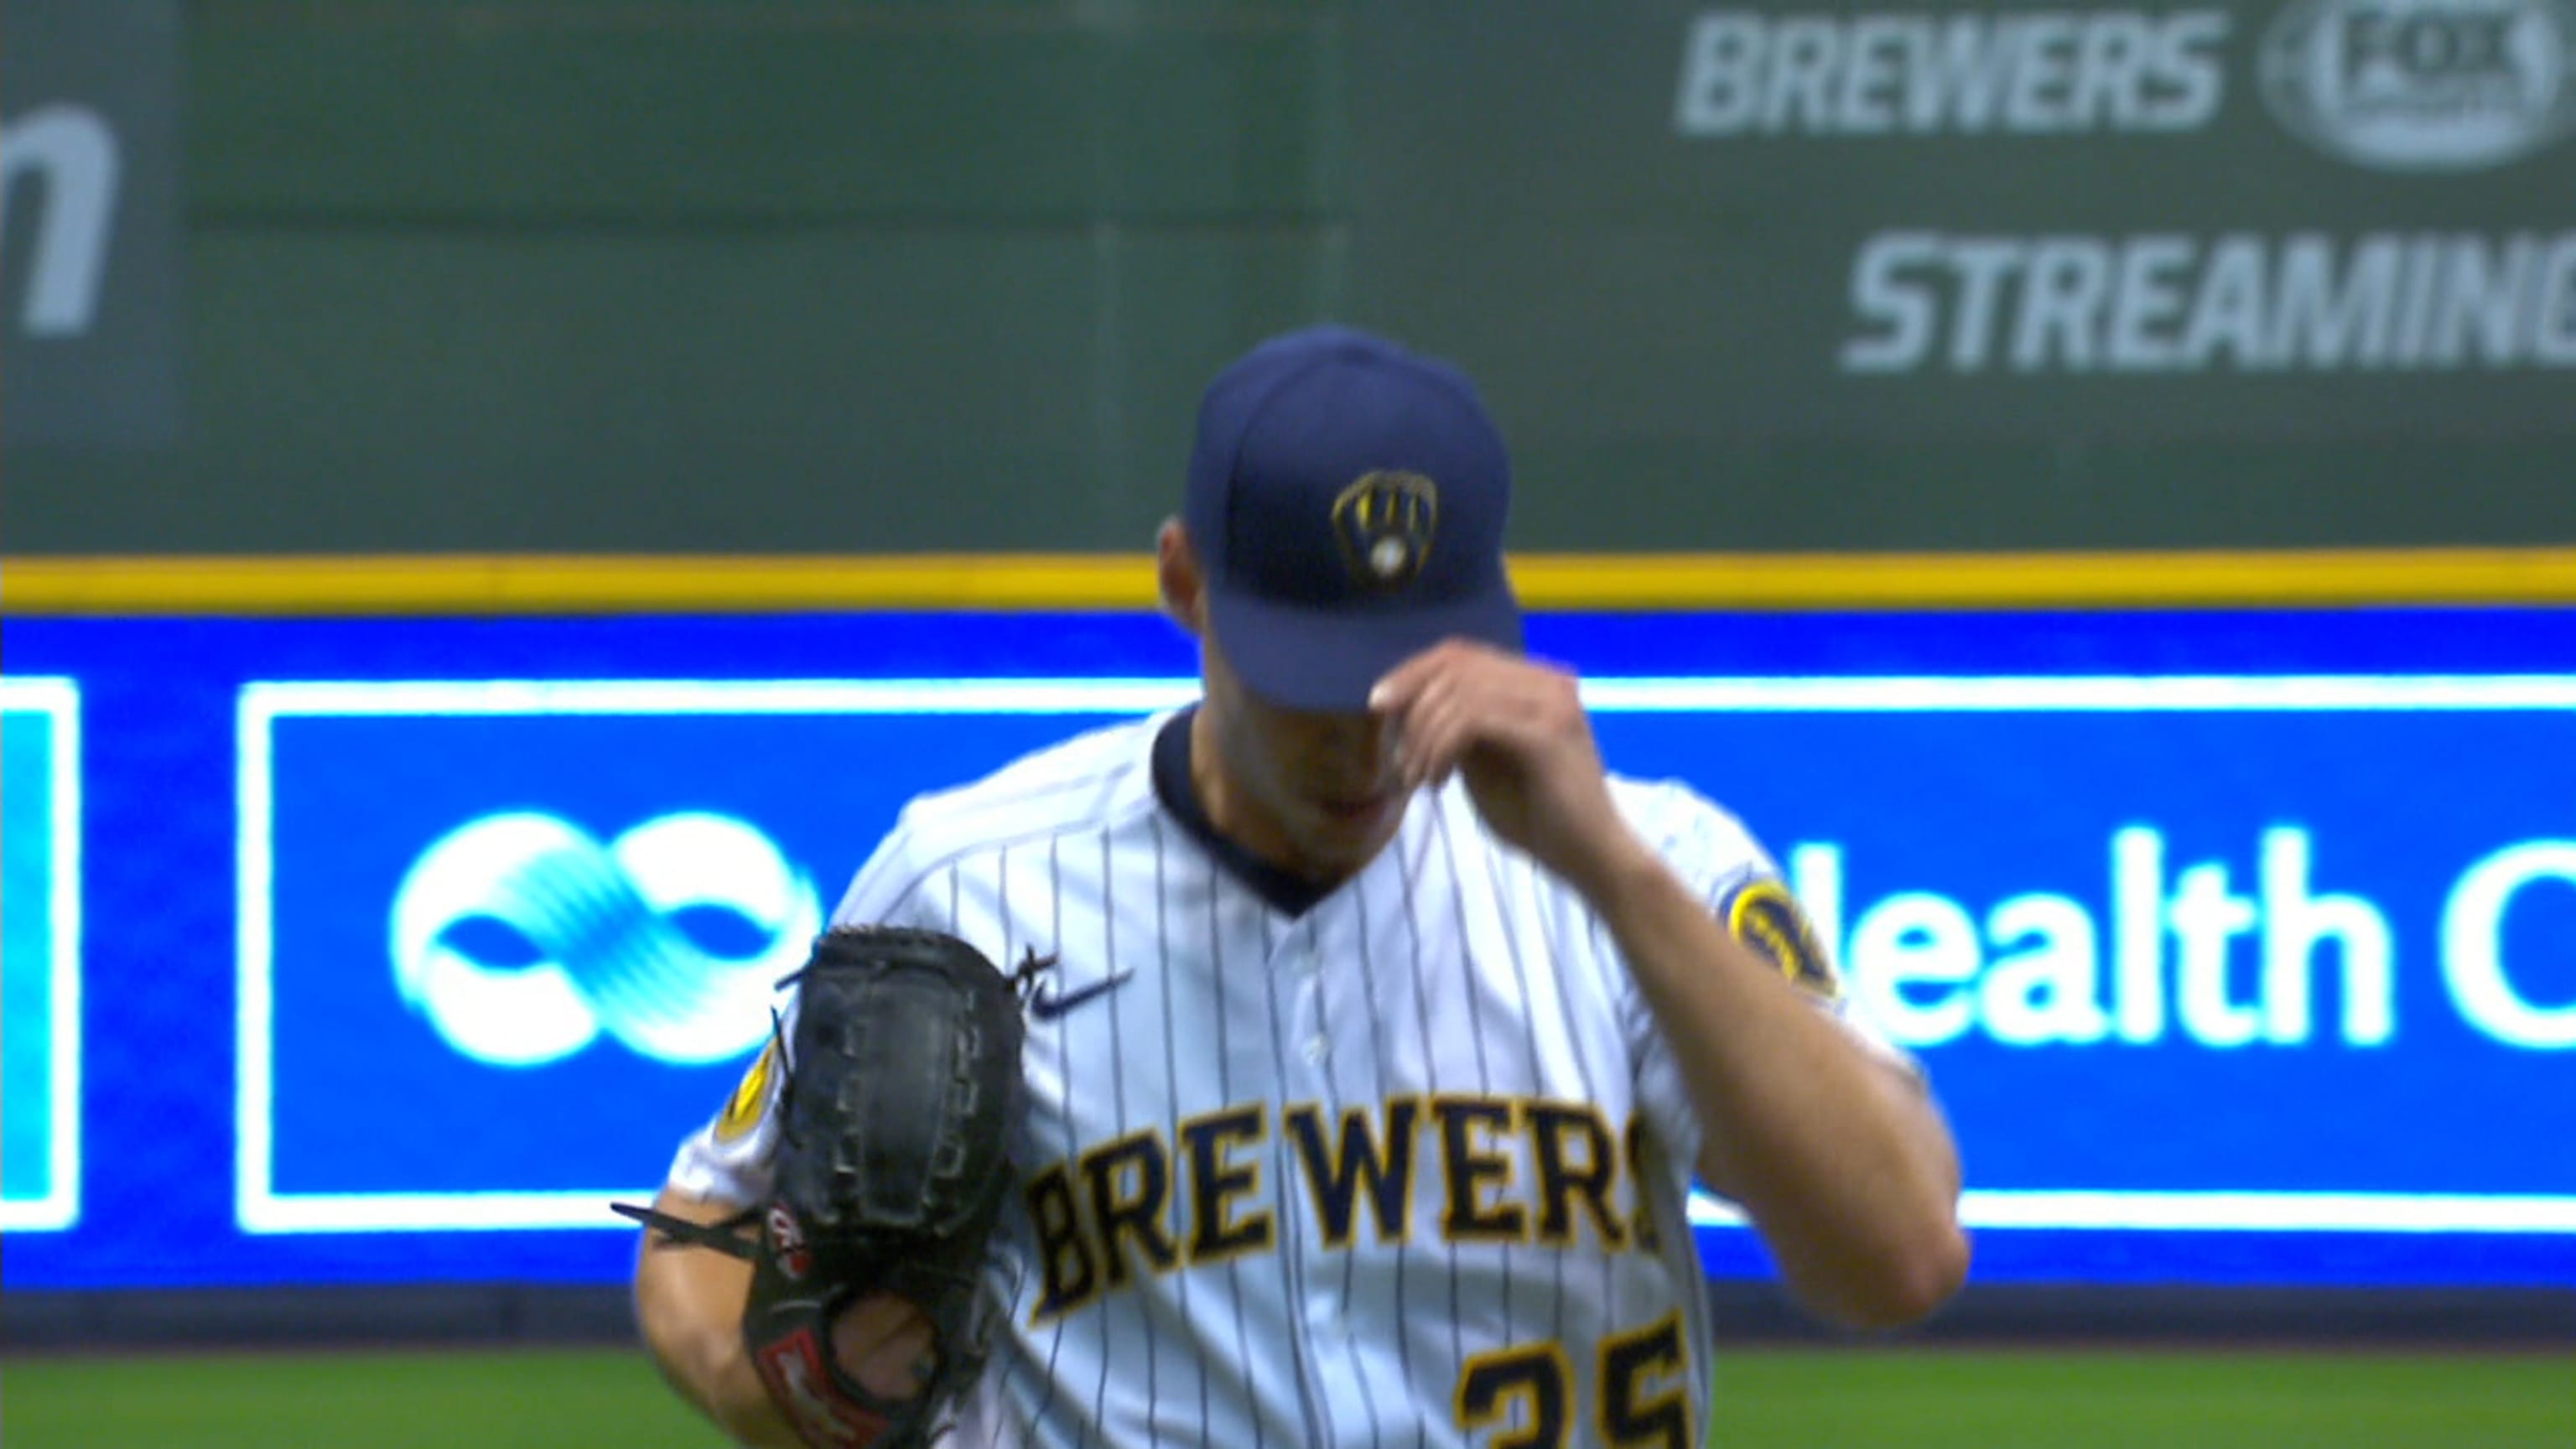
x=724, y=1235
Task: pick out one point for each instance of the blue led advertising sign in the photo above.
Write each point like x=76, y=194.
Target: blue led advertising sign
x=2239, y=948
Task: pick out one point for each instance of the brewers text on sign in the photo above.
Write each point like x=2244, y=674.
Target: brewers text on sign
x=2034, y=72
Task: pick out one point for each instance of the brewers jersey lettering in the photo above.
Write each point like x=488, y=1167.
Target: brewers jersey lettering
x=1400, y=1164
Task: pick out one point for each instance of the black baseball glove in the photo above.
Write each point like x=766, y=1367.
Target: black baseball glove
x=902, y=1094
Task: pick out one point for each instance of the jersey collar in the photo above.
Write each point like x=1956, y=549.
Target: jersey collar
x=1286, y=893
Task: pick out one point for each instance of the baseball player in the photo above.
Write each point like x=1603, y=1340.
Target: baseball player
x=1374, y=1030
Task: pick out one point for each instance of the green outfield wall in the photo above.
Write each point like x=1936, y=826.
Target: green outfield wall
x=815, y=276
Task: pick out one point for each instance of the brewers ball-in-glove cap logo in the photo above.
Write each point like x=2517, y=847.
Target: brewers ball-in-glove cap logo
x=1346, y=502
x=1386, y=521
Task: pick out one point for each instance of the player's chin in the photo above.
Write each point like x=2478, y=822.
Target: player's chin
x=1344, y=833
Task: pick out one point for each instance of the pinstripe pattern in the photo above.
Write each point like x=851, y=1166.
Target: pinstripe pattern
x=1108, y=887
x=1255, y=1067
x=1172, y=1073
x=1228, y=989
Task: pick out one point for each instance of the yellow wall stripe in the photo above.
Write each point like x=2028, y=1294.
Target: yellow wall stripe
x=501, y=584
x=2326, y=578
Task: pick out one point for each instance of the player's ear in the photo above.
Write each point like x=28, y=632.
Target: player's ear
x=1176, y=569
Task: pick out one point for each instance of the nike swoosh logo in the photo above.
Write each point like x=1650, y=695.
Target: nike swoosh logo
x=1047, y=1006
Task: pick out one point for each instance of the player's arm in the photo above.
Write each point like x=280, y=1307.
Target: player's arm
x=1837, y=1156
x=689, y=1304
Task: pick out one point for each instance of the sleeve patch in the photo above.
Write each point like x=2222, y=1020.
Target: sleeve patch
x=1764, y=916
x=750, y=1100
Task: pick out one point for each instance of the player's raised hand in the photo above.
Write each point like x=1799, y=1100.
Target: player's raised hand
x=1515, y=731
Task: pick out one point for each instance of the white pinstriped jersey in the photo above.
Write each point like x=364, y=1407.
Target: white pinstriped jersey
x=1404, y=1168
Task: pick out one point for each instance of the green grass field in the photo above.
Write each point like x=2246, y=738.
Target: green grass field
x=1855, y=1399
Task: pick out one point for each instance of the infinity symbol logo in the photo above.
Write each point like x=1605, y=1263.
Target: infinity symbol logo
x=600, y=919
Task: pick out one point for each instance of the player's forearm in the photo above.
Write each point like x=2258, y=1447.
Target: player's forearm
x=1841, y=1161
x=689, y=1304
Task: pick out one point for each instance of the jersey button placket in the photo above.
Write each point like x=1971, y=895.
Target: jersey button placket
x=1297, y=977
x=1310, y=970
x=1302, y=971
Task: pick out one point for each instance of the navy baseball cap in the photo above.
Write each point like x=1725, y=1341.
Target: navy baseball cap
x=1346, y=499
